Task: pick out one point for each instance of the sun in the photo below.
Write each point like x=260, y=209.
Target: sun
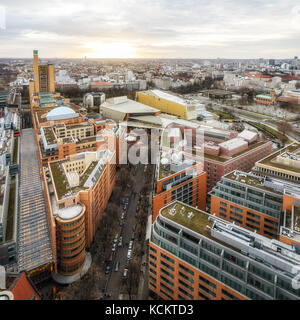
x=110, y=50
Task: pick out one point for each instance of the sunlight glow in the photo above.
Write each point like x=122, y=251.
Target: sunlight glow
x=110, y=50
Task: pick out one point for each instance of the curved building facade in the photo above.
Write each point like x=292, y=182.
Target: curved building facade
x=70, y=237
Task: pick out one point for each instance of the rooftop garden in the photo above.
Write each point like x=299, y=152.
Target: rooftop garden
x=61, y=182
x=49, y=135
x=197, y=222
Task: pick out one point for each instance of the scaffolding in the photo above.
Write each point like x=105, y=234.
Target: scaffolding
x=34, y=242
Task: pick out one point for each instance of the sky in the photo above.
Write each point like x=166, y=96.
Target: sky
x=204, y=29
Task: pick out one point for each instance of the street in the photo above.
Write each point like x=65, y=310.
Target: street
x=114, y=278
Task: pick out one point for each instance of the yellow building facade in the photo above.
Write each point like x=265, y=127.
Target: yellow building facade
x=167, y=103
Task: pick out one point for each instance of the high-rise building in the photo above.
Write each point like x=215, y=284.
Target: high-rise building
x=43, y=78
x=197, y=256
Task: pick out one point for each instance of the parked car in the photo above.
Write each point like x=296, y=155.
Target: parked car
x=133, y=227
x=123, y=215
x=125, y=272
x=107, y=269
x=114, y=247
x=137, y=208
x=121, y=223
x=117, y=265
x=130, y=245
x=129, y=254
x=120, y=242
x=132, y=236
x=111, y=256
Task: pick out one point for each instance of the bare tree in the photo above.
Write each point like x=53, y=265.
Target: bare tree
x=86, y=288
x=284, y=127
x=132, y=280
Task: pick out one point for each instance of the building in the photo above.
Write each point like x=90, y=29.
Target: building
x=124, y=109
x=283, y=164
x=197, y=256
x=44, y=78
x=168, y=103
x=35, y=252
x=179, y=176
x=9, y=160
x=218, y=94
x=266, y=99
x=251, y=201
x=93, y=99
x=76, y=191
x=239, y=153
x=19, y=287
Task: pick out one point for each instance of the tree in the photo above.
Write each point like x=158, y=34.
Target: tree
x=132, y=280
x=86, y=288
x=284, y=127
x=297, y=85
x=124, y=178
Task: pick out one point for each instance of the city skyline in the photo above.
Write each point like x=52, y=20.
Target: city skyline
x=158, y=29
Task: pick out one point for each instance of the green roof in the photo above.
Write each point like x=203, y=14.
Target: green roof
x=197, y=222
x=263, y=96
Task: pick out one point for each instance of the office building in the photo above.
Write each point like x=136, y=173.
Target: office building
x=251, y=201
x=76, y=191
x=283, y=164
x=197, y=256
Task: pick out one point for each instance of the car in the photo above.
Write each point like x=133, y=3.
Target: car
x=129, y=254
x=117, y=265
x=107, y=269
x=125, y=272
x=111, y=256
x=120, y=242
x=130, y=245
x=132, y=236
x=121, y=223
x=133, y=227
x=137, y=208
x=123, y=215
x=114, y=247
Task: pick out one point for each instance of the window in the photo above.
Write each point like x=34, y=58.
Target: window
x=229, y=295
x=167, y=266
x=186, y=277
x=186, y=269
x=167, y=258
x=206, y=281
x=211, y=293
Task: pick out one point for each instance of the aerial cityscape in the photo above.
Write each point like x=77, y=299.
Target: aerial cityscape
x=140, y=165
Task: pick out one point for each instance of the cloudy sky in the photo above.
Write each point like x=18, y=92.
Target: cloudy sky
x=150, y=29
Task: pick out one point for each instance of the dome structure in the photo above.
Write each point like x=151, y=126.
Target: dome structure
x=61, y=113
